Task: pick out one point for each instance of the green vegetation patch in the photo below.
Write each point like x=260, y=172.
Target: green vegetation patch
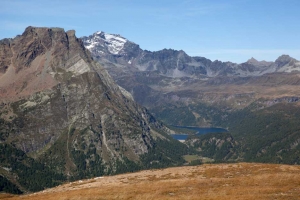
x=32, y=175
x=8, y=187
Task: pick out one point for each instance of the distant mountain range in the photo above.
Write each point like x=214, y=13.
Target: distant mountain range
x=156, y=77
x=172, y=63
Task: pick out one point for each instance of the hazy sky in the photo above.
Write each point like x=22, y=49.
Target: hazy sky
x=227, y=30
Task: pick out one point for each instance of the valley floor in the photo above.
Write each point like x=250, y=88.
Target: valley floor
x=210, y=181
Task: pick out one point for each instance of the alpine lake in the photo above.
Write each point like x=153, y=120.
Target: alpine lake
x=197, y=131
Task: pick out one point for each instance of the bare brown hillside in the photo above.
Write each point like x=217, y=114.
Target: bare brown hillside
x=209, y=181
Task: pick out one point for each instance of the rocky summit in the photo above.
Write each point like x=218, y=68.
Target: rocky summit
x=62, y=117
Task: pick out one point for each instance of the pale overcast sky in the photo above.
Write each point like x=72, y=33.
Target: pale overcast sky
x=227, y=30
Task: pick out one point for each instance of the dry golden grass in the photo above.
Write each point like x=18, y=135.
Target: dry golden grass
x=210, y=181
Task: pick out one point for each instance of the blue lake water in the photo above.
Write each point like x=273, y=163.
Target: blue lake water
x=198, y=130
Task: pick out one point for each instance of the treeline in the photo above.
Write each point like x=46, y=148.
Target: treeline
x=174, y=115
x=8, y=187
x=91, y=169
x=267, y=135
x=33, y=176
x=165, y=153
x=221, y=147
x=181, y=114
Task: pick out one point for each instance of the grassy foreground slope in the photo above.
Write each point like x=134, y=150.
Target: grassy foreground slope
x=209, y=181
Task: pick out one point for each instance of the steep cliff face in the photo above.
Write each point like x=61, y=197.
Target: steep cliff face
x=61, y=108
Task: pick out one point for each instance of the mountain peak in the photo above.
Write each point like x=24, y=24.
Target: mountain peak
x=284, y=57
x=33, y=29
x=33, y=58
x=283, y=60
x=252, y=60
x=71, y=32
x=114, y=42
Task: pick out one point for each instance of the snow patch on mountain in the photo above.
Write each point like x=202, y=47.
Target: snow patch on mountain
x=91, y=45
x=114, y=43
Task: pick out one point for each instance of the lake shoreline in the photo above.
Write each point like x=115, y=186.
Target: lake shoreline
x=199, y=131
